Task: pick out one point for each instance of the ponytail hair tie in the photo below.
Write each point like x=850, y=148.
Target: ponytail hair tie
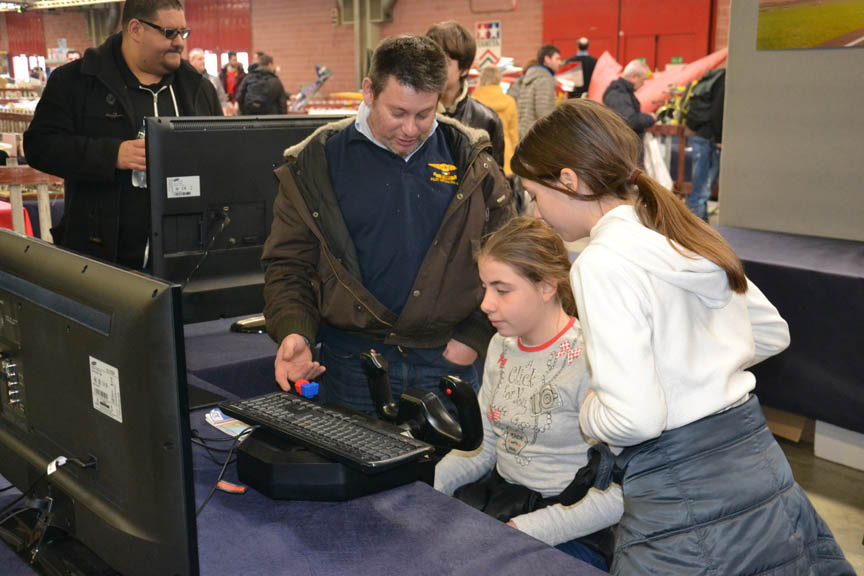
x=634, y=176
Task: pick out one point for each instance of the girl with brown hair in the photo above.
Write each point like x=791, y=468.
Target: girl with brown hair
x=671, y=325
x=534, y=381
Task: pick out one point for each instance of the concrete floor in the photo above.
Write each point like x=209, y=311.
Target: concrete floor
x=837, y=493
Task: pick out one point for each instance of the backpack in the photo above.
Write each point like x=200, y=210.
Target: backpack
x=699, y=105
x=257, y=95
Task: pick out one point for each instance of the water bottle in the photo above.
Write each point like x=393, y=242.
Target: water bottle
x=139, y=177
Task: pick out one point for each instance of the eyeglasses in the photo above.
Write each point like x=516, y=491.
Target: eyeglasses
x=170, y=33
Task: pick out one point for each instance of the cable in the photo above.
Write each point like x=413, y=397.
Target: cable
x=61, y=460
x=24, y=494
x=13, y=514
x=198, y=440
x=211, y=450
x=225, y=221
x=236, y=443
x=9, y=487
x=196, y=434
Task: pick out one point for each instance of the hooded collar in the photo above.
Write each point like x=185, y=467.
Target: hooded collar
x=622, y=232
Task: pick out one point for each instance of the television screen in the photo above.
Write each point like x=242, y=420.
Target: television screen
x=212, y=189
x=94, y=425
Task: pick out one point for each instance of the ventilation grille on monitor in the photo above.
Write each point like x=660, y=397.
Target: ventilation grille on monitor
x=242, y=123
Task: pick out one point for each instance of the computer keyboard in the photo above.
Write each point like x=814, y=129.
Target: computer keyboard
x=348, y=438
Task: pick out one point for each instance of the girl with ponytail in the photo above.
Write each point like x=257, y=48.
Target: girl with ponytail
x=671, y=324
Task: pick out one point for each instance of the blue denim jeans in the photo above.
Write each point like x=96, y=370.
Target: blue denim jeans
x=578, y=550
x=345, y=384
x=706, y=168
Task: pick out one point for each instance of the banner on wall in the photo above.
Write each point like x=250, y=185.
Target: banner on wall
x=488, y=37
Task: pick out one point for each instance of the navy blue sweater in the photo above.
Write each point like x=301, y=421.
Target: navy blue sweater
x=392, y=208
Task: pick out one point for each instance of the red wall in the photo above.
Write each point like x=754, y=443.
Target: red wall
x=300, y=33
x=70, y=25
x=25, y=33
x=721, y=29
x=521, y=29
x=219, y=25
x=656, y=30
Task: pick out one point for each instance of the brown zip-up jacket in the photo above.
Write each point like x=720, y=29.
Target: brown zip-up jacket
x=312, y=271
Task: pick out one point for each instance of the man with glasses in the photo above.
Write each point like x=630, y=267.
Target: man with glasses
x=85, y=126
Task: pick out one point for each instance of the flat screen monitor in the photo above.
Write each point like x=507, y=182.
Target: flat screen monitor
x=92, y=370
x=212, y=189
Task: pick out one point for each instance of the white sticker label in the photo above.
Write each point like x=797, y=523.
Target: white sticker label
x=105, y=384
x=184, y=186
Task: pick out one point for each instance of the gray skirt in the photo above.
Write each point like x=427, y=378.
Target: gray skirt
x=717, y=497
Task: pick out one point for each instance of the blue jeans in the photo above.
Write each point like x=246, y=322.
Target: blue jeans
x=706, y=168
x=578, y=550
x=345, y=384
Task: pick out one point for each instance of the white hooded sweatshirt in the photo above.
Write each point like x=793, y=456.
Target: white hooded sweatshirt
x=667, y=340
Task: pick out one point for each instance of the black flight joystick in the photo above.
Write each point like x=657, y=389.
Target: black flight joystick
x=378, y=376
x=422, y=412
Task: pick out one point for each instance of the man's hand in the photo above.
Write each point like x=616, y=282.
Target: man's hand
x=459, y=353
x=132, y=155
x=294, y=361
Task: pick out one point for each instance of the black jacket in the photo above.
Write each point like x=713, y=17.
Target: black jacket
x=83, y=116
x=713, y=129
x=277, y=99
x=472, y=113
x=588, y=64
x=620, y=96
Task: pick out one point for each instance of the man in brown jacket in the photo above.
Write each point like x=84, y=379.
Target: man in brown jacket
x=373, y=236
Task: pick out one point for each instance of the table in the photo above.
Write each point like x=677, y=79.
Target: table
x=410, y=529
x=16, y=177
x=817, y=284
x=680, y=131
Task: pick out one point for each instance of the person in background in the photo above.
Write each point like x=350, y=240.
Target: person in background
x=372, y=236
x=620, y=96
x=706, y=142
x=231, y=76
x=671, y=326
x=72, y=55
x=536, y=96
x=588, y=63
x=516, y=86
x=196, y=58
x=489, y=93
x=534, y=381
x=85, y=125
x=261, y=92
x=460, y=48
x=37, y=75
